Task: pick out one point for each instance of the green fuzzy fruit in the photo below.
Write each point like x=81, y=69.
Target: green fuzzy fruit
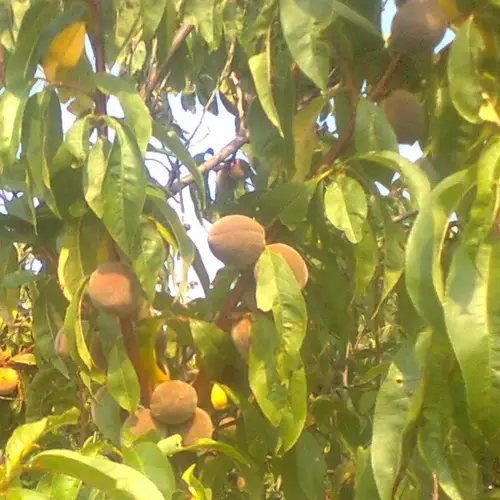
x=418, y=26
x=405, y=114
x=237, y=240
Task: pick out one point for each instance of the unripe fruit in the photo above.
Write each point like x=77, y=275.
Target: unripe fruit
x=405, y=114
x=9, y=380
x=417, y=27
x=294, y=260
x=227, y=428
x=142, y=422
x=61, y=345
x=173, y=402
x=237, y=240
x=218, y=397
x=114, y=289
x=241, y=333
x=200, y=426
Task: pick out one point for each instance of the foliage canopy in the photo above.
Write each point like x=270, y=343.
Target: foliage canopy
x=377, y=380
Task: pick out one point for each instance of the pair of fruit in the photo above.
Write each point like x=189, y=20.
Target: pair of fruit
x=239, y=241
x=173, y=410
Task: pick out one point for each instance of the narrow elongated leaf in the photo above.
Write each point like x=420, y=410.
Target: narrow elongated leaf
x=77, y=138
x=24, y=494
x=397, y=408
x=372, y=130
x=137, y=117
x=487, y=201
x=172, y=142
x=25, y=437
x=260, y=67
x=201, y=13
x=78, y=255
x=148, y=257
x=22, y=64
x=110, y=477
x=305, y=137
x=124, y=188
x=152, y=12
x=424, y=275
x=366, y=260
x=94, y=174
x=346, y=207
x=302, y=25
x=122, y=382
x=354, y=17
x=278, y=291
x=470, y=306
x=464, y=73
x=12, y=105
x=148, y=459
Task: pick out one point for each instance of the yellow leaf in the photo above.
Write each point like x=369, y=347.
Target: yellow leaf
x=487, y=112
x=67, y=47
x=50, y=69
x=449, y=7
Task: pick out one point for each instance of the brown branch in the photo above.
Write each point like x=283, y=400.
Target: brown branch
x=212, y=163
x=435, y=486
x=379, y=89
x=339, y=147
x=179, y=37
x=96, y=36
x=405, y=215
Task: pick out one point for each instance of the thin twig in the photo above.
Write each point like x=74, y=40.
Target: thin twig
x=213, y=162
x=379, y=89
x=405, y=215
x=179, y=37
x=435, y=486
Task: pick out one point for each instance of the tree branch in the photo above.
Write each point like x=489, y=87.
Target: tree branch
x=181, y=34
x=211, y=163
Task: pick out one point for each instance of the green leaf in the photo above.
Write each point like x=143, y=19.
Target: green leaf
x=94, y=173
x=12, y=105
x=265, y=381
x=279, y=291
x=148, y=459
x=137, y=117
x=21, y=277
x=418, y=183
x=108, y=417
x=424, y=275
x=484, y=210
x=470, y=305
x=463, y=71
x=302, y=26
x=110, y=477
x=171, y=141
x=74, y=330
x=195, y=486
x=289, y=202
x=35, y=132
x=79, y=243
x=77, y=138
x=354, y=17
x=305, y=137
x=152, y=11
x=148, y=257
x=23, y=61
x=25, y=437
x=24, y=494
x=311, y=465
x=397, y=408
x=366, y=260
x=48, y=317
x=372, y=130
x=213, y=344
x=365, y=486
x=201, y=13
x=122, y=380
x=346, y=207
x=124, y=188
x=261, y=69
